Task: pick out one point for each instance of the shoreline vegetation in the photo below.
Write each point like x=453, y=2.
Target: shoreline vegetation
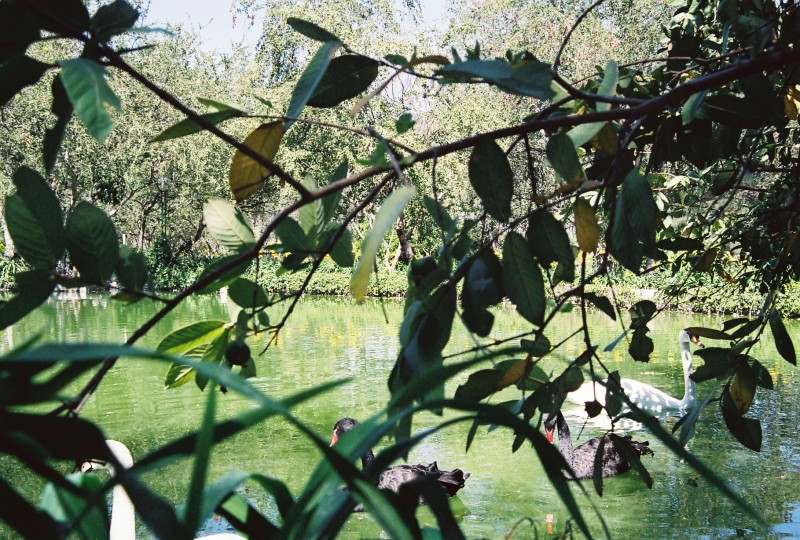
x=627, y=289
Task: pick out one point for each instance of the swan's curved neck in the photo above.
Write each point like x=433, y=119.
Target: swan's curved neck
x=366, y=459
x=564, y=438
x=123, y=516
x=690, y=390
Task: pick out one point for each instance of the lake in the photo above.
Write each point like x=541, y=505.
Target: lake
x=330, y=339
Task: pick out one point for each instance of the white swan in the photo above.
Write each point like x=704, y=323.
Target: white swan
x=645, y=396
x=123, y=515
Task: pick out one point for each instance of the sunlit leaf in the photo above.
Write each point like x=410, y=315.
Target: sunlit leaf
x=246, y=176
x=309, y=80
x=228, y=225
x=310, y=30
x=586, y=228
x=190, y=337
x=791, y=102
x=187, y=126
x=492, y=179
x=608, y=87
x=85, y=83
x=743, y=388
x=386, y=216
x=522, y=279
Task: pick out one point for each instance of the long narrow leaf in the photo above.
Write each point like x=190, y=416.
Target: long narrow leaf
x=388, y=213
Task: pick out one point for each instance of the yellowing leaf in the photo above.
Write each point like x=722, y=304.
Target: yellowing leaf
x=246, y=176
x=605, y=139
x=588, y=231
x=791, y=102
x=513, y=375
x=743, y=390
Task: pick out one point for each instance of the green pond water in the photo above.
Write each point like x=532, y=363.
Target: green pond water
x=329, y=339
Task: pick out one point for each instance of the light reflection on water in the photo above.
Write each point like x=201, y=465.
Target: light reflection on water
x=333, y=339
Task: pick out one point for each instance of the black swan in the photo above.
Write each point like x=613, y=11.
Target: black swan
x=581, y=459
x=645, y=396
x=397, y=475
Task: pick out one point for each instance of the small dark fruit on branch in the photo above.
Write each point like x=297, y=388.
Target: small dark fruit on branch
x=237, y=353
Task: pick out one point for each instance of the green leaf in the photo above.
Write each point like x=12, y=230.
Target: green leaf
x=292, y=236
x=226, y=278
x=438, y=212
x=85, y=83
x=583, y=133
x=228, y=225
x=718, y=363
x=183, y=340
x=634, y=229
x=608, y=87
x=34, y=288
x=492, y=179
x=30, y=240
x=187, y=126
x=693, y=107
x=309, y=80
x=388, y=213
x=310, y=30
x=16, y=74
x=19, y=30
x=562, y=156
x=404, y=123
x=92, y=243
x=680, y=243
x=62, y=109
x=641, y=345
x=746, y=430
x=783, y=342
x=113, y=19
x=483, y=287
x=61, y=16
x=345, y=77
x=44, y=205
x=247, y=294
x=522, y=279
x=602, y=303
x=131, y=269
x=526, y=77
x=342, y=251
x=331, y=202
x=548, y=241
x=63, y=505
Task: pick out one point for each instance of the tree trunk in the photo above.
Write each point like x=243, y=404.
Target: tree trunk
x=406, y=249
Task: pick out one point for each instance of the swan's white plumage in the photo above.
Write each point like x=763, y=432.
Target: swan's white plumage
x=646, y=396
x=123, y=515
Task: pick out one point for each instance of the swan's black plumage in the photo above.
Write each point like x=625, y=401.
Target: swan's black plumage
x=581, y=459
x=397, y=475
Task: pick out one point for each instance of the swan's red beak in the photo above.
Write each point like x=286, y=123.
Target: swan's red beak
x=549, y=432
x=696, y=340
x=335, y=438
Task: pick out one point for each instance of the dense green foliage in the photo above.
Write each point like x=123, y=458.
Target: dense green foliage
x=532, y=172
